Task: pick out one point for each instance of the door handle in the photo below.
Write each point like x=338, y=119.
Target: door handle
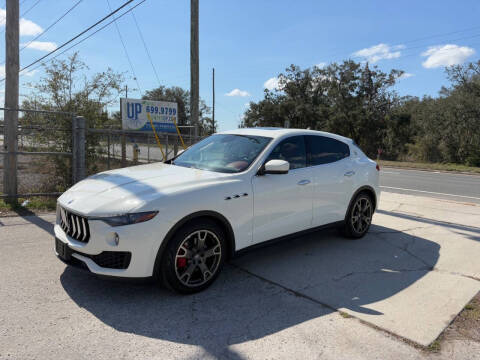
x=350, y=173
x=303, y=182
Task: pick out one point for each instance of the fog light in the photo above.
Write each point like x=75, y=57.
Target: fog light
x=116, y=238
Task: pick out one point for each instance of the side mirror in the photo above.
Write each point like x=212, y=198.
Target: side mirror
x=276, y=167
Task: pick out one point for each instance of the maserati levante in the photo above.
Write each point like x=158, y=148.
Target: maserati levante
x=178, y=222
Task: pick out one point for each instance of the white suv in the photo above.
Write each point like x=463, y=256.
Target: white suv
x=179, y=221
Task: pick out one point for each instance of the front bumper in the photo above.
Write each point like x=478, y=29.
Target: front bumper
x=133, y=257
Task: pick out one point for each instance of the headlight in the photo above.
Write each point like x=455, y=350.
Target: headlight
x=128, y=219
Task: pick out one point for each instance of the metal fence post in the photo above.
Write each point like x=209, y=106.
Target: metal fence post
x=81, y=148
x=74, y=149
x=124, y=150
x=78, y=148
x=166, y=147
x=108, y=151
x=148, y=148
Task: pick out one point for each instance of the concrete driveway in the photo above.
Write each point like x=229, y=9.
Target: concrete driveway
x=407, y=279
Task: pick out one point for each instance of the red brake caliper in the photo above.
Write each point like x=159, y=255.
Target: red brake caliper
x=181, y=262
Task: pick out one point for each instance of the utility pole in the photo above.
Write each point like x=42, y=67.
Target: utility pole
x=213, y=105
x=194, y=65
x=10, y=184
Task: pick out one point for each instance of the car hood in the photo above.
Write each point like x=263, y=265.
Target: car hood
x=123, y=190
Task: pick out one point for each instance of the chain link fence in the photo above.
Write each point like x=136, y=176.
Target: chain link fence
x=56, y=149
x=44, y=154
x=118, y=148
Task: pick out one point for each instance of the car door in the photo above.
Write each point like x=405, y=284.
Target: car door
x=332, y=174
x=283, y=202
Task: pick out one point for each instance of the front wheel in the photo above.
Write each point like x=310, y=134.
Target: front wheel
x=359, y=217
x=194, y=257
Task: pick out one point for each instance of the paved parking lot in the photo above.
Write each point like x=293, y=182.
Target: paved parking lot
x=403, y=284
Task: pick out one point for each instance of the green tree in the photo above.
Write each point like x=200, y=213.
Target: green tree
x=182, y=98
x=66, y=88
x=350, y=99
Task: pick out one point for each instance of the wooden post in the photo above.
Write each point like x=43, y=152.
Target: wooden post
x=194, y=65
x=10, y=184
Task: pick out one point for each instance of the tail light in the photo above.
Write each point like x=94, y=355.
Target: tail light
x=377, y=167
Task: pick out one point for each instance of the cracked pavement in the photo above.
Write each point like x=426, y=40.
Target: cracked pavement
x=407, y=279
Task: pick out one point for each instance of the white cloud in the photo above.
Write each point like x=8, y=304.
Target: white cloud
x=27, y=27
x=446, y=55
x=271, y=84
x=41, y=45
x=379, y=52
x=406, y=75
x=2, y=71
x=321, y=65
x=238, y=92
x=29, y=73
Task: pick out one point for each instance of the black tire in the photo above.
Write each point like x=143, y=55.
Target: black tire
x=181, y=255
x=358, y=217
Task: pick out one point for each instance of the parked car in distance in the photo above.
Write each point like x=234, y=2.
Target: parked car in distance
x=178, y=222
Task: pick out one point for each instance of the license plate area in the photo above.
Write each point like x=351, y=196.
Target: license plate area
x=62, y=249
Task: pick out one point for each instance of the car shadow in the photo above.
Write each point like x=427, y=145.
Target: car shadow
x=257, y=294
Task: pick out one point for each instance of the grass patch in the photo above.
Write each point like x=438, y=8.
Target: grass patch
x=472, y=310
x=434, y=346
x=345, y=315
x=430, y=166
x=27, y=206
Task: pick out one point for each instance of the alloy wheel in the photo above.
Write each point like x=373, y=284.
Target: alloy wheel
x=198, y=258
x=361, y=214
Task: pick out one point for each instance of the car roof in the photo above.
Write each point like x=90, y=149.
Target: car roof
x=274, y=132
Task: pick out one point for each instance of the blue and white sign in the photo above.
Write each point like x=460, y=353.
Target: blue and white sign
x=134, y=115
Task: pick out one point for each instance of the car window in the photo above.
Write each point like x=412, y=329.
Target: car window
x=227, y=153
x=324, y=150
x=292, y=150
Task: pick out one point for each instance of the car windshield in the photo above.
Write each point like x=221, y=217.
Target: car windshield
x=226, y=153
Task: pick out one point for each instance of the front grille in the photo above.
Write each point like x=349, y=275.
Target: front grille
x=75, y=226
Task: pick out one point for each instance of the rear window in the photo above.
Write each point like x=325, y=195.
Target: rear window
x=325, y=150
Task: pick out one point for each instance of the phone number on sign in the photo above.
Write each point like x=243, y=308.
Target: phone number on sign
x=161, y=110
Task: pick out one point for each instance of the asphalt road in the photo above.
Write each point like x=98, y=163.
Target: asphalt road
x=457, y=187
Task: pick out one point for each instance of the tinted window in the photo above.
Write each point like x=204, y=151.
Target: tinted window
x=324, y=150
x=292, y=150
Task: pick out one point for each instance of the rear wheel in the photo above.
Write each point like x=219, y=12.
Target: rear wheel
x=194, y=257
x=359, y=217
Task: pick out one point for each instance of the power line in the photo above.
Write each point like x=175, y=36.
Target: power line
x=125, y=49
x=25, y=12
x=440, y=35
x=30, y=8
x=87, y=37
x=146, y=48
x=77, y=36
x=335, y=54
x=50, y=26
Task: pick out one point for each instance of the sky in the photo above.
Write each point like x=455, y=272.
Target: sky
x=250, y=42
